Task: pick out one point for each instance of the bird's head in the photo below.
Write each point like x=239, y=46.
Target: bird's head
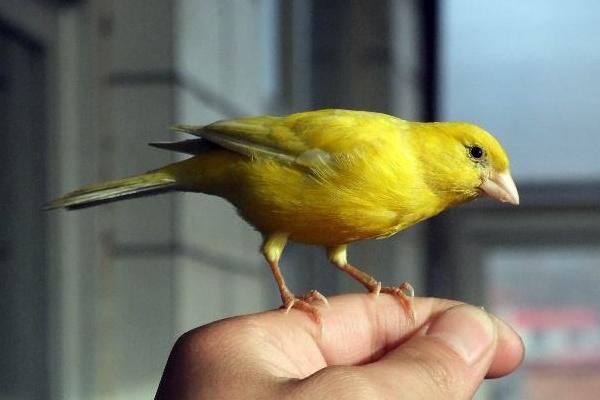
x=467, y=162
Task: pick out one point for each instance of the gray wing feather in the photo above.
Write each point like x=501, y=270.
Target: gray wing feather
x=237, y=144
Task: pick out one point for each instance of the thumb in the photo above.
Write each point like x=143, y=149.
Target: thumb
x=449, y=361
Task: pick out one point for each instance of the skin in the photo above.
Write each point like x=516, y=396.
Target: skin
x=367, y=349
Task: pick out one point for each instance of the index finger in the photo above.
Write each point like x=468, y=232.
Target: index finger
x=360, y=328
x=356, y=328
x=371, y=326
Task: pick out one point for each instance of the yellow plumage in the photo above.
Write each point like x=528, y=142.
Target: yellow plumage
x=327, y=177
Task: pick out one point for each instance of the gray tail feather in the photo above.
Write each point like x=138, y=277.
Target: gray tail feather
x=120, y=189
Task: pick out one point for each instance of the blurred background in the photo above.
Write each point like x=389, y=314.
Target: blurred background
x=93, y=300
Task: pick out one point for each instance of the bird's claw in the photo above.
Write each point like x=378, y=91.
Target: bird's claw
x=315, y=295
x=304, y=303
x=405, y=292
x=377, y=289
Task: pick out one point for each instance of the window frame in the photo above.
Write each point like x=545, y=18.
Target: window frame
x=550, y=214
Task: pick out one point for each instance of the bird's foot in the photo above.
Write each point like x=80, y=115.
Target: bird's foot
x=304, y=303
x=404, y=292
x=313, y=295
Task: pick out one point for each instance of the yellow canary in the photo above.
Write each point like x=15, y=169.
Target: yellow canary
x=328, y=178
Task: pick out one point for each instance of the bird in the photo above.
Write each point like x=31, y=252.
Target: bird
x=327, y=177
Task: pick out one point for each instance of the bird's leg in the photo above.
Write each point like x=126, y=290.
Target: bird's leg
x=405, y=292
x=272, y=249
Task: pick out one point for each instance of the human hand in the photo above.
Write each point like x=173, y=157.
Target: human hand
x=368, y=349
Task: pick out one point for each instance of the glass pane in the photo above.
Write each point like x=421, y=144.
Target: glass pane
x=550, y=295
x=527, y=71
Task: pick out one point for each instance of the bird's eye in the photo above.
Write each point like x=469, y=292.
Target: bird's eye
x=476, y=152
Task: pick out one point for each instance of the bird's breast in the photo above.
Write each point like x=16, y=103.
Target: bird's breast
x=346, y=208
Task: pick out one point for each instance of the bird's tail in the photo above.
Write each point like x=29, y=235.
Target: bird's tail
x=152, y=182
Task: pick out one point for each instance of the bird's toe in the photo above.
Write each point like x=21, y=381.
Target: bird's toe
x=405, y=293
x=315, y=295
x=304, y=305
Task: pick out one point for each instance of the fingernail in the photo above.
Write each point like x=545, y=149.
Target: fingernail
x=467, y=330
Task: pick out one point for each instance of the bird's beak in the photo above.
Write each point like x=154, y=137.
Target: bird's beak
x=501, y=187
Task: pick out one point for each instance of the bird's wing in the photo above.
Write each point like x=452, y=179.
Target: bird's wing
x=305, y=139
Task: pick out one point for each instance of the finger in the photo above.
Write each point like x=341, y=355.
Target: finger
x=449, y=361
x=357, y=328
x=273, y=343
x=362, y=329
x=509, y=353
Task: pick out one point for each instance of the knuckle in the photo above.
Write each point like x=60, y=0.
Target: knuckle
x=187, y=345
x=201, y=343
x=186, y=341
